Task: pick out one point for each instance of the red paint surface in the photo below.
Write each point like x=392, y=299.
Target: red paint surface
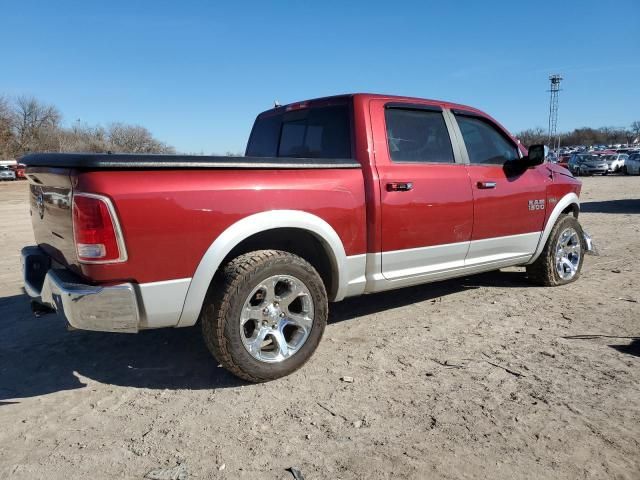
x=504, y=210
x=170, y=218
x=439, y=208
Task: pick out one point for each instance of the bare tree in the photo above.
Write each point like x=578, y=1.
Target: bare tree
x=134, y=139
x=6, y=135
x=83, y=138
x=629, y=136
x=635, y=128
x=34, y=125
x=533, y=136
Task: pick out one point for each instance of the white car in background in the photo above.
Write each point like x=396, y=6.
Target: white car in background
x=616, y=161
x=7, y=173
x=632, y=164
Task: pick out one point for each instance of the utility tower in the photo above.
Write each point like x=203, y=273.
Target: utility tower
x=554, y=138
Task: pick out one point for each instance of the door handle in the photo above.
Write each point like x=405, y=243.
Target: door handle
x=399, y=186
x=485, y=185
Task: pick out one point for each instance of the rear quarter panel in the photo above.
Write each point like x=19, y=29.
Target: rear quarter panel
x=170, y=217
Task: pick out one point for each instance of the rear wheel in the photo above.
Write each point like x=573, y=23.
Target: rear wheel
x=265, y=316
x=561, y=259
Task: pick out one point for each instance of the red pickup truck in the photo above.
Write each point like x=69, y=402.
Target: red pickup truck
x=336, y=197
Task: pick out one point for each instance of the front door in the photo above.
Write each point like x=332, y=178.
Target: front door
x=426, y=199
x=509, y=203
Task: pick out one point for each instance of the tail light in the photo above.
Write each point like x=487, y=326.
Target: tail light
x=96, y=230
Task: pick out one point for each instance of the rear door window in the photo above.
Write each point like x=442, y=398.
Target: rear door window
x=418, y=136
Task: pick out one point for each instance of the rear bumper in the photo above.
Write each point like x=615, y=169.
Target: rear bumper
x=86, y=307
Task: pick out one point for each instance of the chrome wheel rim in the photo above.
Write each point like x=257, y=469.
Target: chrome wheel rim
x=568, y=252
x=276, y=319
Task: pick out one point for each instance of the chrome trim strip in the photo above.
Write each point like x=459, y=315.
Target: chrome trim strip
x=489, y=250
x=424, y=261
x=411, y=262
x=377, y=283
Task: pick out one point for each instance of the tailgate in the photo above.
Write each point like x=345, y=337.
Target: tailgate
x=50, y=208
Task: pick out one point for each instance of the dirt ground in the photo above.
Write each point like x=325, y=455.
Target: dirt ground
x=482, y=377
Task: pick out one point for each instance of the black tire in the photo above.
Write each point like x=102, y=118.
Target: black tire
x=543, y=271
x=221, y=312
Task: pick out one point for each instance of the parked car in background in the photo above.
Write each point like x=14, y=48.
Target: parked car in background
x=563, y=160
x=20, y=170
x=616, y=161
x=632, y=164
x=605, y=151
x=7, y=173
x=587, y=164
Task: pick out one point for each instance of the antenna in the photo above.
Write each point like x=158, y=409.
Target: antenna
x=276, y=104
x=554, y=138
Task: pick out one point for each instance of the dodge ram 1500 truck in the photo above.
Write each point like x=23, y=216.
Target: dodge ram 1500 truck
x=336, y=197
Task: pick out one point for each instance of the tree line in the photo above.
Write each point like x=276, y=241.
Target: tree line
x=584, y=136
x=30, y=125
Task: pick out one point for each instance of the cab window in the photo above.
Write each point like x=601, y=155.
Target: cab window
x=486, y=145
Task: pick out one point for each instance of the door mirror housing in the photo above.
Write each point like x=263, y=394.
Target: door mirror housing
x=537, y=155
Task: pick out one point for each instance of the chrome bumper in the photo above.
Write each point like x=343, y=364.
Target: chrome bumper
x=86, y=307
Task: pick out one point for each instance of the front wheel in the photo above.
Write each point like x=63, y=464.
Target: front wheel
x=265, y=315
x=561, y=259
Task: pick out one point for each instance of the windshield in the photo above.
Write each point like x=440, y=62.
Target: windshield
x=587, y=158
x=314, y=132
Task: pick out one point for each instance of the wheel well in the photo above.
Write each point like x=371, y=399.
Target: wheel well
x=297, y=241
x=572, y=209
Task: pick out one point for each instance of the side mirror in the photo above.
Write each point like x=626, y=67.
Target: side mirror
x=537, y=155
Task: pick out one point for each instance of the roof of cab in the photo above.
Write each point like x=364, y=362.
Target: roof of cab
x=378, y=96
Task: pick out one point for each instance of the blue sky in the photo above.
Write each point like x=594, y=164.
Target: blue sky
x=196, y=73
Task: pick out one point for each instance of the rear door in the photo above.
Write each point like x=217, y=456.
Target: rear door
x=426, y=199
x=509, y=203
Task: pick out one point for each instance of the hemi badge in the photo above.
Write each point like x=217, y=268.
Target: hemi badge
x=553, y=200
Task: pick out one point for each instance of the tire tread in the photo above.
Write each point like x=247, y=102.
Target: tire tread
x=222, y=293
